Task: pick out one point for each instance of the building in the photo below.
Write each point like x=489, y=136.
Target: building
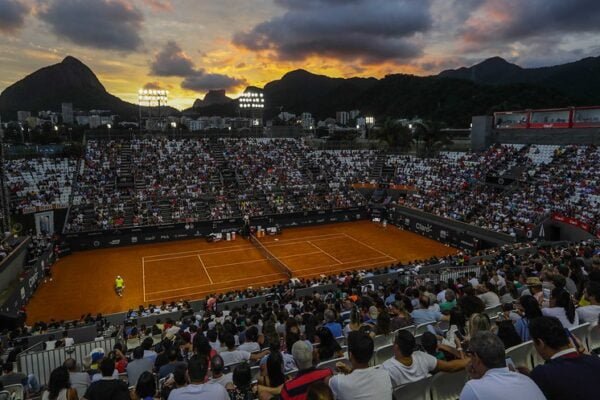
x=67, y=113
x=354, y=114
x=286, y=116
x=23, y=115
x=307, y=121
x=342, y=117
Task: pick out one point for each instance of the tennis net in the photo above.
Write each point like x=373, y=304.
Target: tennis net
x=270, y=257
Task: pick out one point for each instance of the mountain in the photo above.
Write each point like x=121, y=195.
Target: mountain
x=213, y=97
x=579, y=79
x=452, y=101
x=69, y=81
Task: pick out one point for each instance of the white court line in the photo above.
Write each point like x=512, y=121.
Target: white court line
x=324, y=252
x=242, y=247
x=208, y=284
x=143, y=279
x=303, y=240
x=261, y=260
x=346, y=264
x=371, y=247
x=205, y=271
x=204, y=252
x=217, y=290
x=339, y=269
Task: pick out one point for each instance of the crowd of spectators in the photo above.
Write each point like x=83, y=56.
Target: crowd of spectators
x=40, y=181
x=271, y=349
x=179, y=180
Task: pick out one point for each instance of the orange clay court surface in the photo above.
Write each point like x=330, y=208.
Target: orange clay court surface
x=191, y=269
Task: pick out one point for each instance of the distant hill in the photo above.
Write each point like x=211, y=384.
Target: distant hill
x=452, y=101
x=213, y=97
x=69, y=81
x=579, y=79
x=452, y=97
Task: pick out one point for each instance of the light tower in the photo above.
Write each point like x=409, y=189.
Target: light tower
x=152, y=98
x=252, y=104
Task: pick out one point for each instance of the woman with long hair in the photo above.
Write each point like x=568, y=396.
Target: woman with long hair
x=328, y=347
x=562, y=307
x=242, y=388
x=528, y=308
x=270, y=384
x=59, y=386
x=508, y=334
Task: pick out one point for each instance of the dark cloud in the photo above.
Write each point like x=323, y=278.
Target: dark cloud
x=516, y=20
x=12, y=15
x=202, y=81
x=153, y=85
x=172, y=61
x=366, y=30
x=103, y=24
x=159, y=5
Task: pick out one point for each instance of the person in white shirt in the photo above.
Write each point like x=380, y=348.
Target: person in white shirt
x=197, y=389
x=217, y=376
x=250, y=345
x=231, y=355
x=409, y=365
x=562, y=307
x=490, y=378
x=488, y=296
x=591, y=312
x=473, y=279
x=360, y=381
x=68, y=340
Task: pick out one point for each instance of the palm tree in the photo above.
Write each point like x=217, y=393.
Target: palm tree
x=396, y=135
x=432, y=137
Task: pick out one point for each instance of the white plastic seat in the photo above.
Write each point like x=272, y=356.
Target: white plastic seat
x=419, y=390
x=447, y=386
x=522, y=354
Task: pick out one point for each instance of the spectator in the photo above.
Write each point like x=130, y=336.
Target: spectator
x=528, y=308
x=231, y=355
x=488, y=295
x=251, y=344
x=331, y=324
x=360, y=381
x=80, y=381
x=591, y=312
x=562, y=307
x=566, y=373
x=197, y=389
x=508, y=334
x=409, y=365
x=270, y=384
x=169, y=368
x=59, y=387
x=217, y=371
x=423, y=314
x=449, y=301
x=296, y=388
x=9, y=377
x=328, y=347
x=145, y=389
x=242, y=388
x=109, y=387
x=490, y=378
x=136, y=367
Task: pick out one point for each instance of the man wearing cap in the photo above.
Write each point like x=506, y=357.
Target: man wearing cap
x=119, y=285
x=534, y=285
x=295, y=389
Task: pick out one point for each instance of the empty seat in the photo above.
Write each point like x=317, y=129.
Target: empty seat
x=447, y=386
x=522, y=354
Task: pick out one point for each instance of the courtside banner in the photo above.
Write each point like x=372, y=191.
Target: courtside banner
x=202, y=229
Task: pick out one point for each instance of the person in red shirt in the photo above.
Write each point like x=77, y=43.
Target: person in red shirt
x=297, y=388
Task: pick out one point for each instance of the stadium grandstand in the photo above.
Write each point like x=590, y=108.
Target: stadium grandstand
x=378, y=273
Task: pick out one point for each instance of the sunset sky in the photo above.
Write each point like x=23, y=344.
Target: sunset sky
x=190, y=46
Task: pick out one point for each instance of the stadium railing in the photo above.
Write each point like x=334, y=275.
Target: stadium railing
x=41, y=363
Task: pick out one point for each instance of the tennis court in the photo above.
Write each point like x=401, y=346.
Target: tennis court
x=193, y=269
